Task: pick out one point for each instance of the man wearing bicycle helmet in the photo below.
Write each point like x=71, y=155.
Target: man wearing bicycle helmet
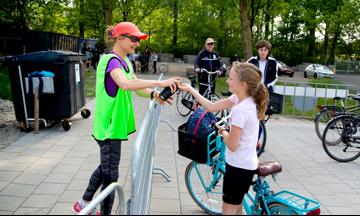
x=209, y=60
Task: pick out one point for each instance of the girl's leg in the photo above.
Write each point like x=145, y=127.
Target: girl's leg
x=94, y=184
x=229, y=209
x=110, y=161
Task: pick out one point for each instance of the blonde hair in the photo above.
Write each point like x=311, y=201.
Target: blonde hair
x=250, y=74
x=109, y=33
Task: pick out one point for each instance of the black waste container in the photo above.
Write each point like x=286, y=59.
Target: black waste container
x=69, y=85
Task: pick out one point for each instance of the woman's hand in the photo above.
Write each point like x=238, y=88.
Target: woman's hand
x=158, y=99
x=172, y=83
x=185, y=87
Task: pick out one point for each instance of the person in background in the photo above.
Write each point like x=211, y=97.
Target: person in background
x=155, y=57
x=114, y=118
x=209, y=60
x=88, y=56
x=84, y=49
x=148, y=54
x=143, y=61
x=133, y=59
x=267, y=65
x=96, y=56
x=233, y=58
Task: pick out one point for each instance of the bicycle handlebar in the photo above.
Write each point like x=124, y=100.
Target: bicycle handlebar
x=223, y=120
x=204, y=70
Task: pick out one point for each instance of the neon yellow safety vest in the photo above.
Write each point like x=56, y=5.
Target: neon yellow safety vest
x=114, y=116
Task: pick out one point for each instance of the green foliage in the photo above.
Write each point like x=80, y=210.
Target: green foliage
x=5, y=87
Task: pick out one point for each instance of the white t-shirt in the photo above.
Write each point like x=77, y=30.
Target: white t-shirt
x=262, y=69
x=154, y=57
x=244, y=116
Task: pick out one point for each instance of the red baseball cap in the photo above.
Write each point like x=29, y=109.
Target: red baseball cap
x=128, y=28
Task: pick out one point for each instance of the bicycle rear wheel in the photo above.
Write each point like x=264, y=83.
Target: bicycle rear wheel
x=150, y=67
x=197, y=179
x=260, y=148
x=341, y=134
x=276, y=208
x=322, y=120
x=163, y=68
x=184, y=103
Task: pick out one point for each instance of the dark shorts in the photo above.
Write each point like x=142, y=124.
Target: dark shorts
x=236, y=184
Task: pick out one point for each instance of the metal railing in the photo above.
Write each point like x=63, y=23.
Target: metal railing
x=91, y=208
x=142, y=164
x=304, y=96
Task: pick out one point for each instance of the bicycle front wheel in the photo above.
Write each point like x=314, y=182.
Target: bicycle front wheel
x=197, y=179
x=276, y=208
x=163, y=68
x=150, y=67
x=260, y=147
x=342, y=131
x=215, y=98
x=184, y=103
x=322, y=120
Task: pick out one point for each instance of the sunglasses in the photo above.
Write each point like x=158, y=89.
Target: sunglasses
x=210, y=44
x=132, y=38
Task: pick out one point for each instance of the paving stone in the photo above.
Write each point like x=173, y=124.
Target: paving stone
x=39, y=170
x=59, y=178
x=18, y=190
x=48, y=161
x=8, y=203
x=29, y=179
x=32, y=211
x=40, y=201
x=19, y=167
x=8, y=176
x=50, y=189
x=69, y=169
x=164, y=205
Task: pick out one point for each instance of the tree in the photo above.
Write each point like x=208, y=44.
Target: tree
x=246, y=30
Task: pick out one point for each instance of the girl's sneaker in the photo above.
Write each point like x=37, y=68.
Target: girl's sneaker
x=76, y=209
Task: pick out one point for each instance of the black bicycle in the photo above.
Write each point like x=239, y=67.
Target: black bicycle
x=185, y=102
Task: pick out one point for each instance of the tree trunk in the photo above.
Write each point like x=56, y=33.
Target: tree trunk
x=175, y=21
x=246, y=30
x=108, y=20
x=81, y=23
x=312, y=42
x=222, y=24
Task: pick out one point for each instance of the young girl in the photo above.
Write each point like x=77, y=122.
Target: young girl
x=249, y=103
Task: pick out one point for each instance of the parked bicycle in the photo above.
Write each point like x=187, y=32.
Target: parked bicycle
x=327, y=113
x=204, y=179
x=185, y=102
x=341, y=140
x=162, y=67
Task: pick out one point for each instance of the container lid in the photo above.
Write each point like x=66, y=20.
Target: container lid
x=47, y=56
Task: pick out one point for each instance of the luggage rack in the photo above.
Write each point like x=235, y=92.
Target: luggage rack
x=85, y=113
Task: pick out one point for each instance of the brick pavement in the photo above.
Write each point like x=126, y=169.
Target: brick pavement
x=47, y=173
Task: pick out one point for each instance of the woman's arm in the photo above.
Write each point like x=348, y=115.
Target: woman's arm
x=139, y=84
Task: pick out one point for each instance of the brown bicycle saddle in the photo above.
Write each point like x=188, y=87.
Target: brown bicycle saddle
x=268, y=168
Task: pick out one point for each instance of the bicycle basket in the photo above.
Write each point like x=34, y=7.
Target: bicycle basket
x=193, y=147
x=275, y=105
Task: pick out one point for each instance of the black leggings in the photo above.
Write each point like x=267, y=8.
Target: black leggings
x=106, y=173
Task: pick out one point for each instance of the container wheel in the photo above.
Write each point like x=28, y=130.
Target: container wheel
x=85, y=113
x=66, y=124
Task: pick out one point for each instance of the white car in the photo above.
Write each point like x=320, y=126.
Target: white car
x=318, y=71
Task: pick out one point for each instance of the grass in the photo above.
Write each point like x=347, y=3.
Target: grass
x=90, y=83
x=5, y=87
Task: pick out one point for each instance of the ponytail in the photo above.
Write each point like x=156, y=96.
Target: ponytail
x=261, y=100
x=250, y=74
x=109, y=33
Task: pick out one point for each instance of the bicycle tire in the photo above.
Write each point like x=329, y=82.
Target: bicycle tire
x=210, y=202
x=260, y=147
x=343, y=129
x=214, y=98
x=150, y=67
x=184, y=98
x=322, y=120
x=276, y=208
x=163, y=68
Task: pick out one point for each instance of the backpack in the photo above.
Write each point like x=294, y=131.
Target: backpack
x=198, y=123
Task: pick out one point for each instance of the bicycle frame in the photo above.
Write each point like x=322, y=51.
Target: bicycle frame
x=253, y=205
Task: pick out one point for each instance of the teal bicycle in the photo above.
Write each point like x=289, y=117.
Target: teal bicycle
x=203, y=178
